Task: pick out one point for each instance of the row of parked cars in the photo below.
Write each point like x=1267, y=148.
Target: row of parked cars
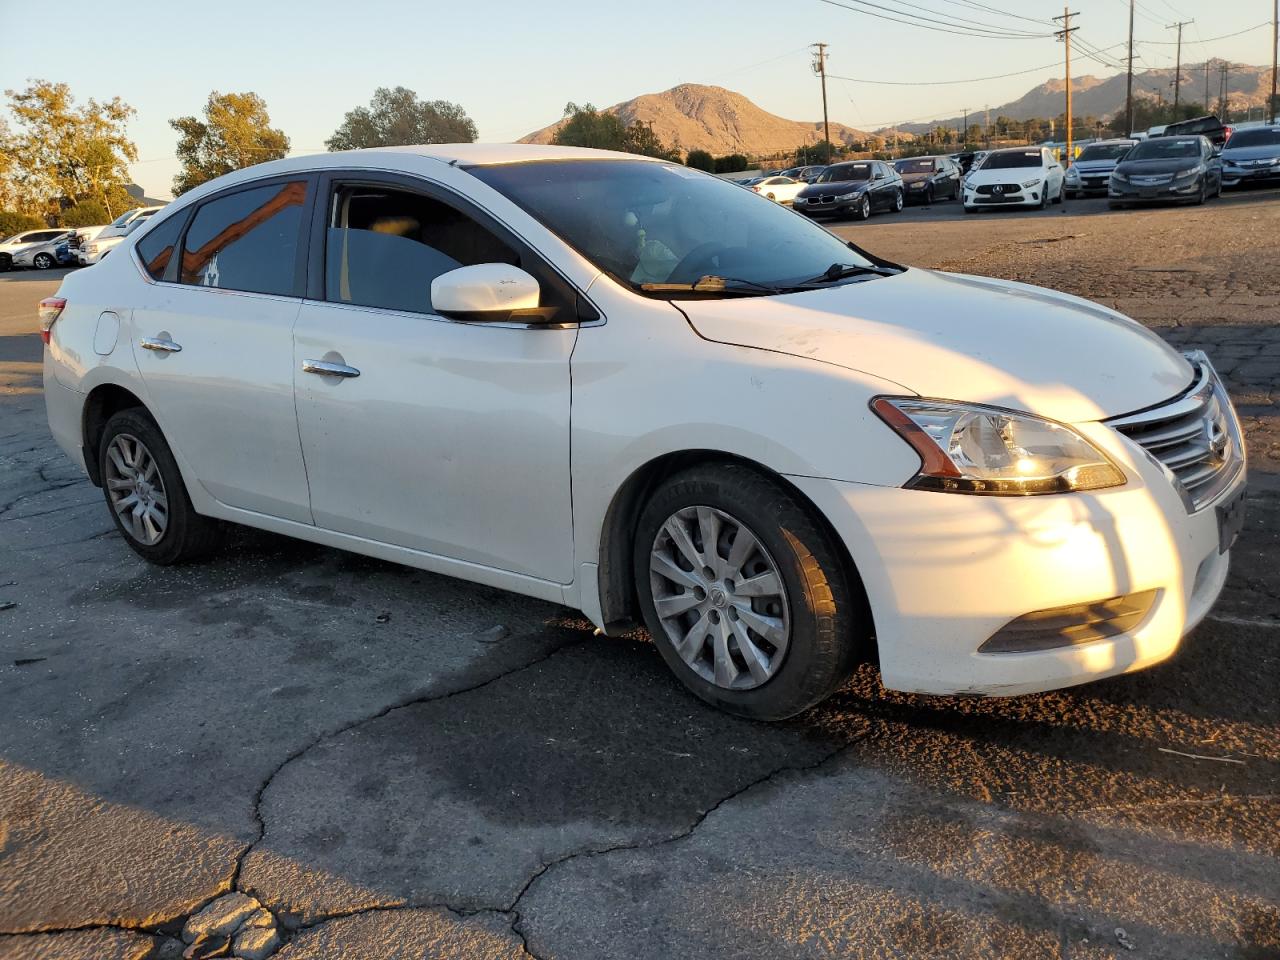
x=1189, y=161
x=69, y=246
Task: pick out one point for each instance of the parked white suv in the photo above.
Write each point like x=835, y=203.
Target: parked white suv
x=636, y=389
x=107, y=239
x=1018, y=177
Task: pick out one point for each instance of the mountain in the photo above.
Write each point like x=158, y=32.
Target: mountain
x=697, y=117
x=1102, y=97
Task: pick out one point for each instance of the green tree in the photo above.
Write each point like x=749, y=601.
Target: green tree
x=61, y=153
x=700, y=160
x=14, y=221
x=396, y=117
x=236, y=132
x=87, y=213
x=733, y=163
x=585, y=126
x=816, y=153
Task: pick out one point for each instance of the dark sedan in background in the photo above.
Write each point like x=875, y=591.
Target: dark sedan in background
x=856, y=188
x=1180, y=169
x=929, y=178
x=1251, y=156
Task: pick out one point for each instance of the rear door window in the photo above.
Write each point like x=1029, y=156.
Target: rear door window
x=247, y=240
x=155, y=250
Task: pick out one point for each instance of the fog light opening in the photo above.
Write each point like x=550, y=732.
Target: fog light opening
x=1072, y=625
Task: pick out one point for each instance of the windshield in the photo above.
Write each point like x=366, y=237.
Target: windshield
x=1105, y=151
x=914, y=166
x=843, y=172
x=124, y=218
x=1166, y=148
x=645, y=222
x=1263, y=137
x=1012, y=159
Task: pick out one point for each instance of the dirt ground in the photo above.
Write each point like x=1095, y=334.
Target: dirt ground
x=396, y=765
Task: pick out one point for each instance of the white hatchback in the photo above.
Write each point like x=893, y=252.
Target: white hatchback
x=641, y=391
x=1018, y=177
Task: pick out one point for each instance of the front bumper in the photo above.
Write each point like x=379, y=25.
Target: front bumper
x=1157, y=193
x=1235, y=177
x=837, y=208
x=944, y=572
x=1029, y=197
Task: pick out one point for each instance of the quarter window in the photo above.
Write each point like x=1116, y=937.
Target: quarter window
x=247, y=240
x=385, y=246
x=156, y=248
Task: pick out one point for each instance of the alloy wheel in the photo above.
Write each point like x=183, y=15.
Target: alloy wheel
x=898, y=201
x=42, y=261
x=136, y=489
x=720, y=598
x=864, y=211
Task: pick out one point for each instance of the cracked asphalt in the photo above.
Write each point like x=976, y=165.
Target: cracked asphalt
x=399, y=765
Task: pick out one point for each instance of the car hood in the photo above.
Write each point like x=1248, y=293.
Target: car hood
x=1262, y=152
x=965, y=338
x=1153, y=167
x=1006, y=175
x=837, y=189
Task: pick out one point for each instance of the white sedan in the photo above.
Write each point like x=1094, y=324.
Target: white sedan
x=626, y=386
x=1018, y=177
x=780, y=189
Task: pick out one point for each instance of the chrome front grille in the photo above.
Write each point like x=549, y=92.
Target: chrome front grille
x=1195, y=437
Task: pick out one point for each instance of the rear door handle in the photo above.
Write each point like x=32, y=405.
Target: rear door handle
x=327, y=369
x=160, y=345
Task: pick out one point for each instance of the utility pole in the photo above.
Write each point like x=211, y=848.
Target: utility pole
x=1206, y=85
x=1065, y=36
x=1128, y=87
x=820, y=68
x=1177, y=70
x=1275, y=55
x=964, y=137
x=1223, y=103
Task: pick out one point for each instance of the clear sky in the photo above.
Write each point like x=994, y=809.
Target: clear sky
x=513, y=64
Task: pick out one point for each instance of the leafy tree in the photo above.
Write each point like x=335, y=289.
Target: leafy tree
x=87, y=213
x=816, y=152
x=13, y=221
x=733, y=163
x=701, y=160
x=236, y=132
x=585, y=126
x=396, y=117
x=62, y=153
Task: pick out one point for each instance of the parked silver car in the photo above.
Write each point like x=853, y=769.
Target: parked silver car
x=1091, y=171
x=1251, y=156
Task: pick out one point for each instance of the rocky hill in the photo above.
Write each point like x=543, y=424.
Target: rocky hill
x=697, y=117
x=1103, y=97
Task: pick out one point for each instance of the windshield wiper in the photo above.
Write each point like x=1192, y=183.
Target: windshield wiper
x=840, y=271
x=714, y=284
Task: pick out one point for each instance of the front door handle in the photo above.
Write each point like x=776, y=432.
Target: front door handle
x=160, y=345
x=327, y=369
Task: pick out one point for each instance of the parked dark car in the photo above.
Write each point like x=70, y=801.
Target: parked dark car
x=854, y=188
x=1251, y=156
x=965, y=160
x=1180, y=169
x=929, y=178
x=1210, y=127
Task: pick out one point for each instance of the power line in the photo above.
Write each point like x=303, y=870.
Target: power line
x=1225, y=36
x=973, y=4
x=960, y=21
x=924, y=23
x=944, y=83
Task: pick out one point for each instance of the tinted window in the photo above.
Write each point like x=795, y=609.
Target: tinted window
x=155, y=250
x=922, y=165
x=842, y=172
x=1104, y=151
x=42, y=236
x=247, y=240
x=1165, y=148
x=384, y=247
x=1012, y=160
x=1261, y=137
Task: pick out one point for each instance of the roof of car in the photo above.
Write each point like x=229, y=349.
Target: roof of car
x=482, y=154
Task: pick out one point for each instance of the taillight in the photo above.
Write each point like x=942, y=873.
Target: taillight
x=50, y=310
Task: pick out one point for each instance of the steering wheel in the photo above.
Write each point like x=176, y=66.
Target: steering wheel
x=700, y=261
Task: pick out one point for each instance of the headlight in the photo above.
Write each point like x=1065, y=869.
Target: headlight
x=849, y=196
x=1031, y=183
x=92, y=248
x=1189, y=174
x=1119, y=177
x=969, y=448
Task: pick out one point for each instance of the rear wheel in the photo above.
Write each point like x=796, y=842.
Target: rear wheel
x=744, y=594
x=145, y=493
x=43, y=261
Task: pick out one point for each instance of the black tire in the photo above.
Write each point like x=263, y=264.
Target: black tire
x=771, y=196
x=1062, y=193
x=864, y=208
x=928, y=195
x=187, y=535
x=1044, y=199
x=969, y=209
x=1113, y=205
x=899, y=201
x=43, y=261
x=829, y=627
x=1203, y=195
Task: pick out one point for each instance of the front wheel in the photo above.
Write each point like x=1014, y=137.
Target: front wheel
x=1062, y=194
x=864, y=208
x=898, y=201
x=744, y=594
x=43, y=261
x=1203, y=195
x=145, y=493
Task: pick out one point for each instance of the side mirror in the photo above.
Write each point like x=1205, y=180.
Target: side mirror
x=489, y=293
